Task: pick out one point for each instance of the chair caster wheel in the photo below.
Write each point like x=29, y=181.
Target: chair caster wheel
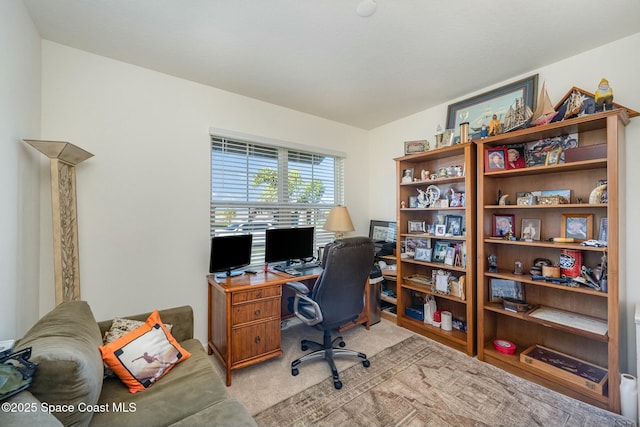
x=337, y=385
x=295, y=371
x=304, y=347
x=366, y=363
x=341, y=344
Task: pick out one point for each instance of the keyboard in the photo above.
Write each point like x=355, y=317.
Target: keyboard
x=307, y=266
x=292, y=271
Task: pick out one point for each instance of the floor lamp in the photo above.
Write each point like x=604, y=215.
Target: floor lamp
x=64, y=156
x=339, y=221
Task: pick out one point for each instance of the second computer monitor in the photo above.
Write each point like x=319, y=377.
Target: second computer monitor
x=287, y=244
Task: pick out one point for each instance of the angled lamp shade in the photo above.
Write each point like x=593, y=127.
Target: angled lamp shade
x=339, y=221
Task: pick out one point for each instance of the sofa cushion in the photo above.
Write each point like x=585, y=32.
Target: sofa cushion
x=190, y=387
x=65, y=345
x=143, y=356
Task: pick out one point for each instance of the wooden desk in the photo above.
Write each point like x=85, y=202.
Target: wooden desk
x=245, y=313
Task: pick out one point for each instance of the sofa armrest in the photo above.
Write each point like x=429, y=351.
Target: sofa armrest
x=180, y=317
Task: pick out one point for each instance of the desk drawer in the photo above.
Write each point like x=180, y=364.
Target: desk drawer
x=263, y=309
x=260, y=293
x=255, y=340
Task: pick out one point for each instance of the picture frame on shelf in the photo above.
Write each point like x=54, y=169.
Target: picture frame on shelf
x=440, y=251
x=413, y=243
x=453, y=224
x=407, y=176
x=502, y=224
x=553, y=156
x=577, y=226
x=413, y=201
x=413, y=147
x=479, y=109
x=423, y=254
x=440, y=282
x=535, y=152
x=440, y=230
x=505, y=288
x=530, y=229
x=603, y=232
x=416, y=226
x=495, y=159
x=449, y=255
x=515, y=156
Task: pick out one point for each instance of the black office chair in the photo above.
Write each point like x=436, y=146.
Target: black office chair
x=337, y=298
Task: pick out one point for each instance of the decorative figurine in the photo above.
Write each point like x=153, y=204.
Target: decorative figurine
x=493, y=263
x=604, y=95
x=517, y=267
x=484, y=131
x=494, y=126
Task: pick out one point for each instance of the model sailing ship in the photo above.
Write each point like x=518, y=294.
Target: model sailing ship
x=517, y=116
x=544, y=112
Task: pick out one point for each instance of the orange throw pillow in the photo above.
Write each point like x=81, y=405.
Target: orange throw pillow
x=144, y=355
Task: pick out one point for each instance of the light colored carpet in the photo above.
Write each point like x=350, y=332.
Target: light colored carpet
x=265, y=384
x=419, y=382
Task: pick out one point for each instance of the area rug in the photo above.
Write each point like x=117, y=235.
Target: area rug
x=419, y=382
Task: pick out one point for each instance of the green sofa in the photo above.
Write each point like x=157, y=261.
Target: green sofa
x=68, y=387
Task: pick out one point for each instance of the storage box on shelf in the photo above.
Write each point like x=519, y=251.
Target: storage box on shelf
x=443, y=189
x=579, y=322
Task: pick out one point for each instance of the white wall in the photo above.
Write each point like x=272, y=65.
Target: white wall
x=19, y=179
x=143, y=200
x=617, y=62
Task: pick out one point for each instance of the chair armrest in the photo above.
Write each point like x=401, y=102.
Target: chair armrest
x=298, y=287
x=307, y=310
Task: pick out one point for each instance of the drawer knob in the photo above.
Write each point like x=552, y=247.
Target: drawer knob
x=258, y=339
x=259, y=295
x=257, y=312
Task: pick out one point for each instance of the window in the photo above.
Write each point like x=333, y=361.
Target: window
x=258, y=185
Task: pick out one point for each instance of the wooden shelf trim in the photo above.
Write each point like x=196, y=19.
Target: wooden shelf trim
x=427, y=290
x=544, y=244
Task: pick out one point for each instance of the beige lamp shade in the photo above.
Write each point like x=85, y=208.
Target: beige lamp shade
x=339, y=221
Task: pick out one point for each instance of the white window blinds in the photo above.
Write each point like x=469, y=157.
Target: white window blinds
x=255, y=186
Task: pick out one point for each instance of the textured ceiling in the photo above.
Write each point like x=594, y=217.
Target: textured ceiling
x=321, y=58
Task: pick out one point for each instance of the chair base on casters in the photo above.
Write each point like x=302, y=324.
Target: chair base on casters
x=327, y=351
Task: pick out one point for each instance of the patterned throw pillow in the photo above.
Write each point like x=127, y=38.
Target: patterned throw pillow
x=119, y=328
x=143, y=356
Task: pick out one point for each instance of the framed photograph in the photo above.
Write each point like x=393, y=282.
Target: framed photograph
x=449, y=255
x=503, y=288
x=407, y=176
x=604, y=230
x=495, y=158
x=458, y=200
x=412, y=147
x=440, y=251
x=578, y=226
x=515, y=157
x=440, y=229
x=413, y=201
x=423, y=254
x=479, y=109
x=416, y=226
x=447, y=138
x=530, y=229
x=412, y=244
x=553, y=156
x=502, y=224
x=441, y=282
x=535, y=152
x=453, y=224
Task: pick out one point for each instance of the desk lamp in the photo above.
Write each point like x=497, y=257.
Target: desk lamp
x=339, y=221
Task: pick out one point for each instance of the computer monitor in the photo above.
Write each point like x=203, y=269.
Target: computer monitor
x=383, y=234
x=288, y=244
x=229, y=253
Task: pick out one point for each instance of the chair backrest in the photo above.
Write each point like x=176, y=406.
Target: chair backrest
x=339, y=291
